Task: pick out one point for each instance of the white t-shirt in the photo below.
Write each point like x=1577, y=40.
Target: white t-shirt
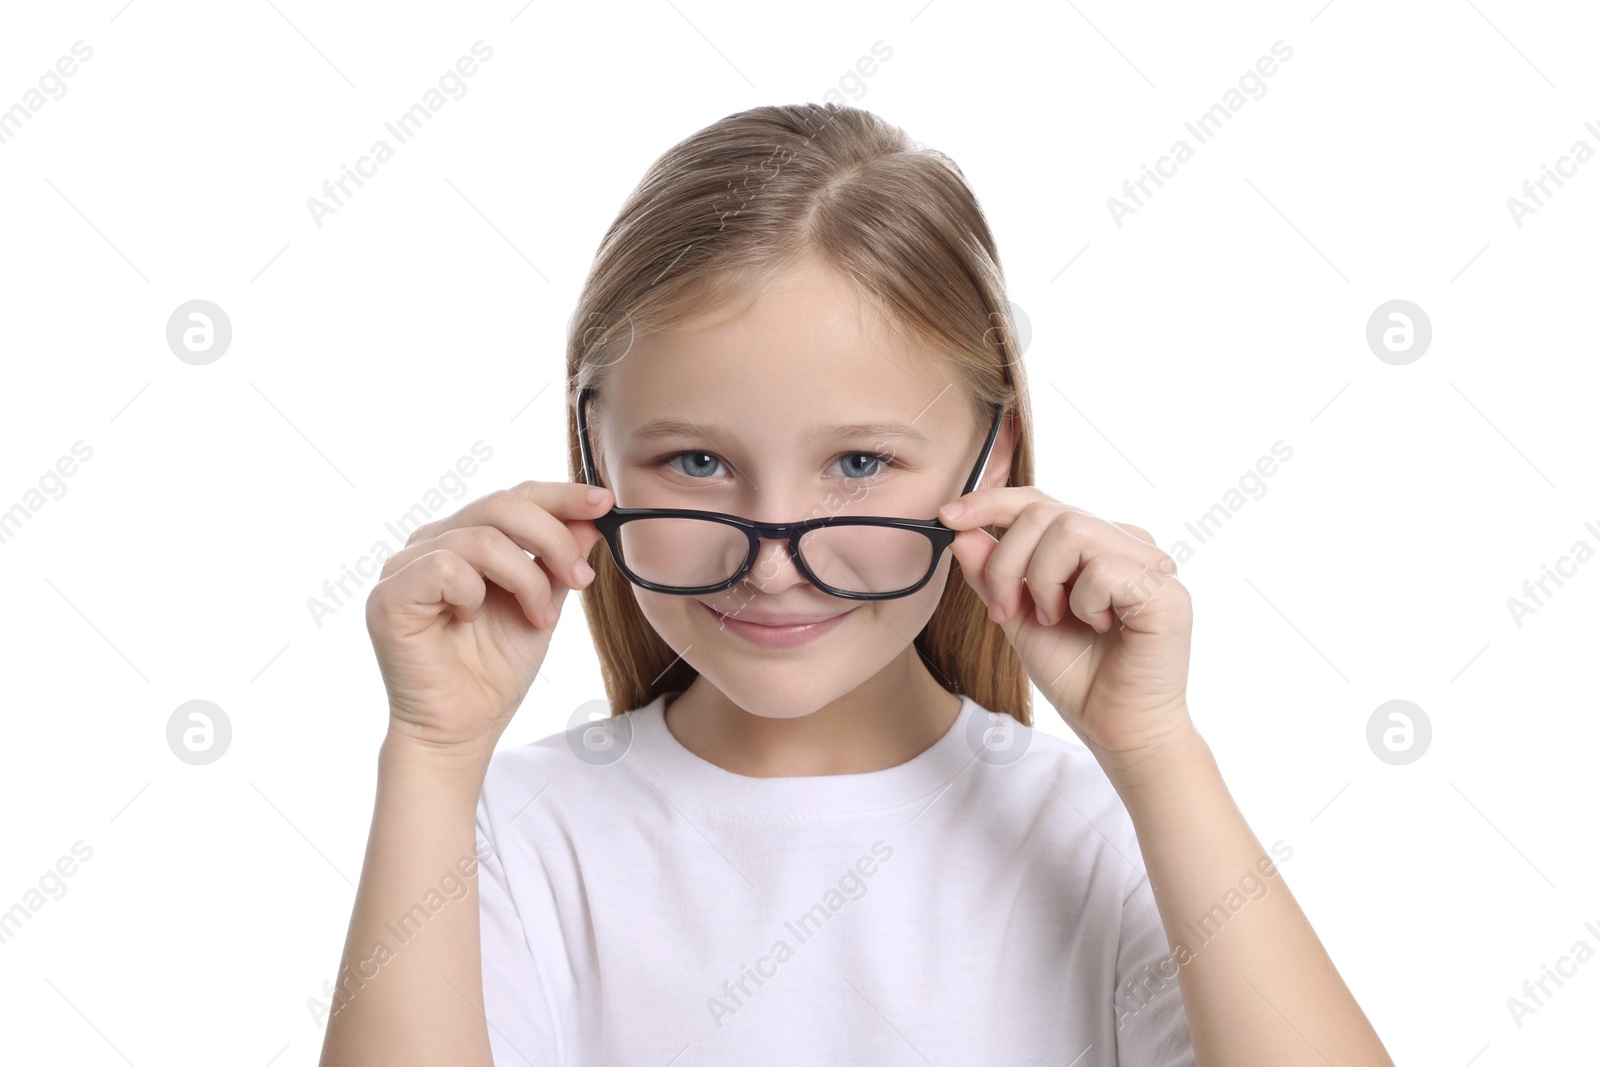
x=982, y=903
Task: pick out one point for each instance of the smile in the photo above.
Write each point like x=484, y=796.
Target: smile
x=790, y=636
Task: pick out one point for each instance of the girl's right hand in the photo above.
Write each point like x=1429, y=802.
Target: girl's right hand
x=458, y=653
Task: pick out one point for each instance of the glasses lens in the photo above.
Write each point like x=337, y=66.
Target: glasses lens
x=684, y=553
x=689, y=553
x=866, y=559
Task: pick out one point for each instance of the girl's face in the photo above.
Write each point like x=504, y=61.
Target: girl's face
x=796, y=405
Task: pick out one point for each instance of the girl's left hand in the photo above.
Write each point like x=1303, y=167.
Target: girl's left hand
x=1093, y=610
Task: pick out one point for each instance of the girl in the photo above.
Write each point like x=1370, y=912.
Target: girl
x=819, y=827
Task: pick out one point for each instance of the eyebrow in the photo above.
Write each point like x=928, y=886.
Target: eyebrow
x=665, y=428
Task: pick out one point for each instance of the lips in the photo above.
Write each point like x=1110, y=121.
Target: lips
x=788, y=619
x=777, y=634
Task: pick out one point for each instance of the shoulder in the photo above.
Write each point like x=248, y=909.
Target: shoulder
x=1051, y=784
x=1029, y=757
x=573, y=765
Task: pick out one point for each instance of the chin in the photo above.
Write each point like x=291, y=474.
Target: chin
x=790, y=692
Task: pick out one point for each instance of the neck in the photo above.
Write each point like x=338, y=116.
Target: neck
x=886, y=721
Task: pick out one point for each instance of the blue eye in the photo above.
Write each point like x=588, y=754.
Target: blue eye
x=870, y=457
x=691, y=455
x=700, y=466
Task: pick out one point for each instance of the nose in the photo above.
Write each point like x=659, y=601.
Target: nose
x=773, y=570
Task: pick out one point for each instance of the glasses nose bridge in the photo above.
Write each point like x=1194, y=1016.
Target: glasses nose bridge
x=776, y=531
x=774, y=552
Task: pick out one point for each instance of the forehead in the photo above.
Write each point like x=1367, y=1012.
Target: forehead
x=806, y=353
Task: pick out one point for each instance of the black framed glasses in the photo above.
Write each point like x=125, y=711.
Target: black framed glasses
x=687, y=552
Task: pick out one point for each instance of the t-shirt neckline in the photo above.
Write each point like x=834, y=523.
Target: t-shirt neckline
x=706, y=785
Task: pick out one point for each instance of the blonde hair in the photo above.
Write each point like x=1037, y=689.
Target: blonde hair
x=712, y=221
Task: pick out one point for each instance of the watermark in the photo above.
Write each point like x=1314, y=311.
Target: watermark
x=1166, y=567
x=851, y=85
x=1566, y=167
x=1399, y=732
x=1141, y=989
x=997, y=738
x=337, y=592
x=51, y=886
x=851, y=886
x=1252, y=482
x=354, y=975
x=51, y=486
x=199, y=732
x=1537, y=590
x=1013, y=342
x=596, y=736
x=1202, y=128
x=733, y=202
x=1399, y=332
x=1530, y=1002
x=336, y=191
x=199, y=332
x=51, y=82
x=740, y=194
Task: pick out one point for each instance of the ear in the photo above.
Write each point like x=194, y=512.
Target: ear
x=998, y=473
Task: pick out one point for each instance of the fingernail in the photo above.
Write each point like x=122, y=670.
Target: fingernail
x=996, y=612
x=595, y=495
x=952, y=512
x=582, y=573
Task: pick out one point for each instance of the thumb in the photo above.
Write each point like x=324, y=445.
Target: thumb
x=972, y=549
x=587, y=534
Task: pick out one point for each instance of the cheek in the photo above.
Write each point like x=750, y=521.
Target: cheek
x=909, y=614
x=672, y=617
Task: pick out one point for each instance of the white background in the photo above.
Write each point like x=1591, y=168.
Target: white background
x=1167, y=355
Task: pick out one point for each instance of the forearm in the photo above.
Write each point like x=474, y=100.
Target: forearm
x=1258, y=986
x=410, y=985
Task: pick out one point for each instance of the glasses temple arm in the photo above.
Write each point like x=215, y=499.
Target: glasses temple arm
x=988, y=446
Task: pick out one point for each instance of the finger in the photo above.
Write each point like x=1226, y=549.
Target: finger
x=1004, y=571
x=1072, y=538
x=995, y=506
x=437, y=578
x=575, y=506
x=498, y=559
x=552, y=520
x=1137, y=532
x=505, y=563
x=972, y=549
x=1000, y=506
x=1074, y=535
x=1116, y=591
x=1054, y=564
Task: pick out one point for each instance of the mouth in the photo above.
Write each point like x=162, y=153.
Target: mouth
x=777, y=631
